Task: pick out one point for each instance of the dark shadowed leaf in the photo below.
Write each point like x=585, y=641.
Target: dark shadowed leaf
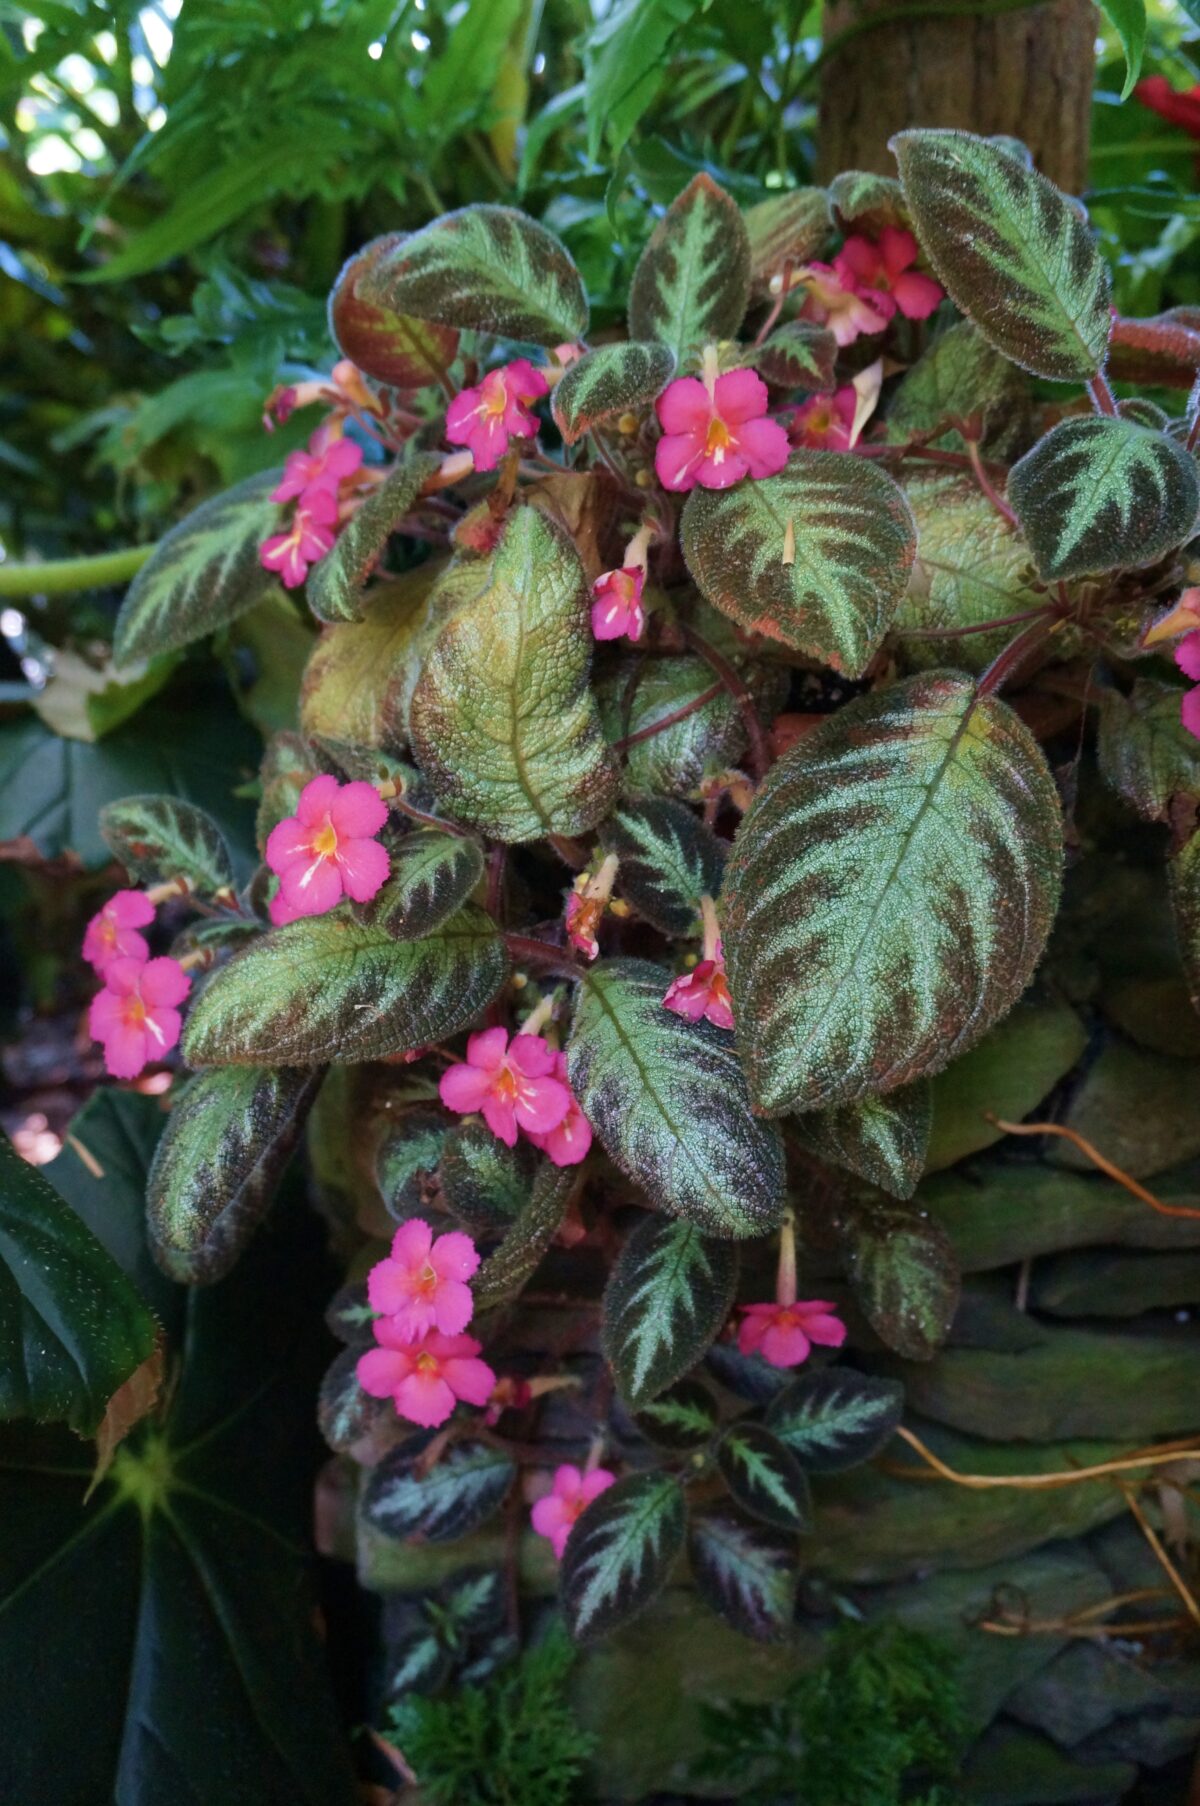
x=747, y=1376
x=836, y=1418
x=692, y=281
x=668, y=1295
x=669, y=860
x=432, y=876
x=674, y=760
x=337, y=586
x=883, y=1139
x=484, y=1183
x=611, y=380
x=505, y=1271
x=395, y=349
x=905, y=1277
x=866, y=202
x=460, y=1492
x=159, y=838
x=620, y=1553
x=745, y=1571
x=788, y=229
x=764, y=1477
x=1145, y=752
x=799, y=355
x=684, y=1417
x=406, y=1160
x=345, y=1413
x=1183, y=880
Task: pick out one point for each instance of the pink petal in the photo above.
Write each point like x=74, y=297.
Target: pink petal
x=677, y=457
x=501, y=1119
x=543, y=1106
x=381, y=1370
x=129, y=908
x=412, y=1242
x=462, y=415
x=722, y=472
x=425, y=1399
x=740, y=395
x=281, y=911
x=106, y=1013
x=1187, y=655
x=164, y=981
x=464, y=1088
x=488, y=1048
x=764, y=445
x=917, y=296
x=611, y=618
x=289, y=840
x=453, y=1306
x=388, y=1287
x=685, y=406
x=550, y=1515
x=470, y=1379
x=1190, y=712
x=364, y=866
x=568, y=1483
x=598, y=1481
x=829, y=1332
x=282, y=554
x=454, y=1256
x=525, y=380
x=784, y=1347
x=311, y=889
x=342, y=458
x=163, y=1029
x=751, y=1331
x=488, y=441
x=316, y=800
x=358, y=811
x=861, y=261
x=123, y=976
x=125, y=1052
x=568, y=1144
x=898, y=249
x=318, y=510
x=532, y=1056
x=687, y=996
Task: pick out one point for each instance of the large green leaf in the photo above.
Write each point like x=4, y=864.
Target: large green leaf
x=611, y=380
x=460, y=1492
x=626, y=57
x=485, y=1184
x=889, y=893
x=764, y=1477
x=502, y=719
x=160, y=838
x=1128, y=20
x=667, y=1298
x=669, y=860
x=337, y=587
x=72, y=1328
x=745, y=1571
x=668, y=1100
x=1145, y=752
x=527, y=1238
x=674, y=760
x=905, y=1276
x=485, y=268
x=883, y=1139
x=432, y=875
x=1016, y=256
x=331, y=988
x=361, y=673
x=958, y=376
x=836, y=1418
x=817, y=557
x=788, y=228
x=202, y=574
x=970, y=568
x=620, y=1553
x=1101, y=494
x=395, y=349
x=220, y=1159
x=692, y=281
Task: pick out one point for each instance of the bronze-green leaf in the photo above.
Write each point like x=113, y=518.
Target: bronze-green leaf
x=692, y=281
x=883, y=1139
x=336, y=588
x=396, y=349
x=905, y=1277
x=1145, y=752
x=789, y=228
x=611, y=380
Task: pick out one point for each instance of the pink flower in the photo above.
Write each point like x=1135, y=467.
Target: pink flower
x=554, y=1516
x=1187, y=657
x=834, y=301
x=343, y=390
x=307, y=539
x=112, y=932
x=422, y=1285
x=329, y=458
x=135, y=1015
x=826, y=421
x=513, y=1086
x=567, y=1143
x=783, y=1334
x=617, y=604
x=882, y=276
x=425, y=1379
x=714, y=431
x=328, y=849
x=703, y=991
x=486, y=417
x=582, y=919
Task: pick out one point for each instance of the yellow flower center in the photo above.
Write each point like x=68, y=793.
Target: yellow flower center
x=719, y=437
x=427, y=1363
x=324, y=841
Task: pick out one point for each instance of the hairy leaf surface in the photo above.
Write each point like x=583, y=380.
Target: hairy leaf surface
x=396, y=349
x=835, y=1418
x=359, y=672
x=905, y=1277
x=866, y=202
x=959, y=375
x=970, y=568
x=433, y=874
x=764, y=1477
x=485, y=1184
x=788, y=228
x=674, y=760
x=800, y=355
x=606, y=382
x=406, y=1160
x=682, y=1418
x=346, y=1415
x=1145, y=752
x=669, y=860
x=460, y=1492
x=692, y=281
x=667, y=1297
x=745, y=1571
x=517, y=1258
x=336, y=588
x=159, y=838
x=620, y=1553
x=883, y=1139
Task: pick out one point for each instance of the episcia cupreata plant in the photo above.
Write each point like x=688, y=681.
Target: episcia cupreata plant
x=655, y=828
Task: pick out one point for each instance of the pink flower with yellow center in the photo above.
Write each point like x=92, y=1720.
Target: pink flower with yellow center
x=555, y=1515
x=512, y=1086
x=882, y=274
x=307, y=539
x=486, y=417
x=783, y=1334
x=112, y=932
x=715, y=431
x=567, y=1143
x=135, y=1015
x=617, y=604
x=425, y=1379
x=1187, y=657
x=422, y=1285
x=704, y=991
x=826, y=421
x=833, y=301
x=327, y=850
x=330, y=457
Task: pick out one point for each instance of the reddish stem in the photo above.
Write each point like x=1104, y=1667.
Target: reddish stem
x=524, y=950
x=1102, y=397
x=660, y=727
x=958, y=633
x=989, y=489
x=1006, y=663
x=760, y=757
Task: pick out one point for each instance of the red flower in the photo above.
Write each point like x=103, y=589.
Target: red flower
x=486, y=417
x=882, y=274
x=425, y=1379
x=112, y=932
x=617, y=604
x=514, y=1087
x=783, y=1334
x=826, y=421
x=1180, y=106
x=307, y=539
x=555, y=1515
x=422, y=1285
x=715, y=431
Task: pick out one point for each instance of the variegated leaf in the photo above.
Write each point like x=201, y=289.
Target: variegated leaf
x=1183, y=883
x=675, y=760
x=667, y=1298
x=460, y=1492
x=349, y=1316
x=959, y=375
x=159, y=839
x=432, y=876
x=484, y=1183
x=889, y=893
x=288, y=764
x=346, y=1415
x=817, y=557
x=669, y=860
x=331, y=988
x=360, y=673
x=396, y=349
x=789, y=228
x=1145, y=752
x=681, y=1419
x=611, y=380
x=620, y=1553
x=526, y=1240
x=202, y=574
x=502, y=720
x=836, y=1418
x=764, y=1477
x=745, y=1571
x=865, y=202
x=1013, y=253
x=220, y=1158
x=337, y=585
x=970, y=568
x=486, y=269
x=692, y=282
x=406, y=1160
x=668, y=1100
x=905, y=1276
x=1102, y=494
x=800, y=355
x=882, y=1139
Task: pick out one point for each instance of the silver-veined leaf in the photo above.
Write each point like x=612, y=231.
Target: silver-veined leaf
x=484, y=1183
x=959, y=375
x=866, y=202
x=160, y=838
x=620, y=1553
x=502, y=720
x=667, y=1297
x=1103, y=494
x=883, y=1139
x=1013, y=253
x=745, y=1571
x=668, y=1100
x=669, y=860
x=396, y=349
x=692, y=281
x=433, y=873
x=526, y=1240
x=346, y=1415
x=486, y=269
x=331, y=988
x=682, y=1418
x=337, y=585
x=764, y=1477
x=889, y=893
x=789, y=228
x=407, y=1158
x=817, y=557
x=202, y=574
x=800, y=355
x=836, y=1418
x=607, y=382
x=227, y=1141
x=970, y=568
x=1145, y=752
x=464, y=1487
x=905, y=1276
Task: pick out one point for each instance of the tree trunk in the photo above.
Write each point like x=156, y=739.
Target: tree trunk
x=1026, y=73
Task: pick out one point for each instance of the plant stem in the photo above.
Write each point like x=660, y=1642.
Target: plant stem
x=734, y=683
x=660, y=727
x=59, y=576
x=1014, y=655
x=989, y=489
x=524, y=950
x=1102, y=397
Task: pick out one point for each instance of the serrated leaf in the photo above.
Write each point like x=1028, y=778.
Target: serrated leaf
x=675, y=760
x=502, y=720
x=519, y=1255
x=764, y=1477
x=682, y=1418
x=866, y=202
x=800, y=355
x=1102, y=494
x=406, y=1160
x=337, y=585
x=669, y=860
x=330, y=988
x=667, y=1298
x=460, y=1492
x=960, y=374
x=158, y=838
x=835, y=1418
x=218, y=1162
x=485, y=269
x=1145, y=752
x=905, y=1277
x=396, y=349
x=692, y=282
x=817, y=557
x=359, y=672
x=202, y=574
x=745, y=1571
x=485, y=1184
x=433, y=874
x=889, y=893
x=970, y=568
x=1011, y=251
x=611, y=380
x=346, y=1415
x=668, y=1100
x=789, y=228
x=1183, y=883
x=882, y=1139
x=620, y=1553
